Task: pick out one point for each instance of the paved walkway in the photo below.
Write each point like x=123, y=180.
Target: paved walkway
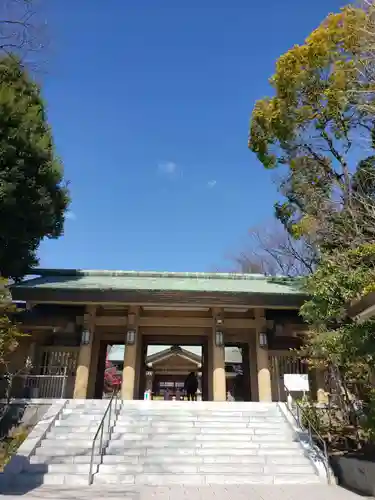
x=307, y=492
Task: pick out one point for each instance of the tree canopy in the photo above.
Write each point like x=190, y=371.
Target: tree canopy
x=33, y=195
x=315, y=128
x=319, y=130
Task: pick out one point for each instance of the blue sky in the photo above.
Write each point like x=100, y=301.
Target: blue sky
x=149, y=102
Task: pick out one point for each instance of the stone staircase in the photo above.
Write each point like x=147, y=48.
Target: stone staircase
x=65, y=454
x=164, y=443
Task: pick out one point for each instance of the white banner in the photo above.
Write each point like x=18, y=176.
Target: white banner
x=296, y=382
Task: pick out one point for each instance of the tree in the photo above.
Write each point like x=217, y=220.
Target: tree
x=365, y=64
x=112, y=379
x=33, y=195
x=10, y=335
x=319, y=129
x=21, y=28
x=273, y=251
x=314, y=128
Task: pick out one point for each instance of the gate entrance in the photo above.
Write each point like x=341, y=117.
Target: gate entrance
x=165, y=367
x=237, y=371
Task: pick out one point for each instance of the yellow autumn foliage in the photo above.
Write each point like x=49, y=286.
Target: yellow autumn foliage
x=313, y=82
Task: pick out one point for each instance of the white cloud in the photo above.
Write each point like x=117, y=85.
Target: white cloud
x=168, y=168
x=211, y=184
x=70, y=215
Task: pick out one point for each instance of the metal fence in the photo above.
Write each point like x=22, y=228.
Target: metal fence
x=53, y=385
x=281, y=363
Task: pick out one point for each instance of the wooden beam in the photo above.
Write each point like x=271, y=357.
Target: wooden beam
x=111, y=321
x=150, y=322
x=187, y=322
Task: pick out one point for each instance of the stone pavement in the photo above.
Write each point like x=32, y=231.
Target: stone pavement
x=248, y=492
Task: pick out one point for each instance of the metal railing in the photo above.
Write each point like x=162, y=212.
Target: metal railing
x=25, y=386
x=304, y=423
x=100, y=431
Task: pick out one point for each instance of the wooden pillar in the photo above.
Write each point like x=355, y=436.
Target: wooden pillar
x=208, y=366
x=130, y=356
x=253, y=366
x=264, y=376
x=84, y=356
x=219, y=389
x=199, y=391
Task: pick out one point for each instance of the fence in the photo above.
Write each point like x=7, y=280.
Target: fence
x=55, y=357
x=282, y=362
x=53, y=385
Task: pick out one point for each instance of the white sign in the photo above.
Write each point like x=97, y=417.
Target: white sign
x=296, y=382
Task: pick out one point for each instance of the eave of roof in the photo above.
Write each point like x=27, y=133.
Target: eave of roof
x=171, y=352
x=72, y=280
x=362, y=308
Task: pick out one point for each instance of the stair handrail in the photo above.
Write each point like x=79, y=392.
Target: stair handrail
x=100, y=430
x=300, y=413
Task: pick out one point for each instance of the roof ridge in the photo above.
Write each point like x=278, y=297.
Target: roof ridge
x=151, y=274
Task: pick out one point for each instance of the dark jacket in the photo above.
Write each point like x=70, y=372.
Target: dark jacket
x=191, y=383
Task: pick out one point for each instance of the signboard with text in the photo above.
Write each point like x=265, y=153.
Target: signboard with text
x=296, y=382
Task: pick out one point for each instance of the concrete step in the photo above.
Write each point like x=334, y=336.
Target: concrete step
x=198, y=414
x=194, y=432
x=70, y=444
x=183, y=468
x=125, y=438
x=73, y=468
x=75, y=428
x=92, y=424
x=201, y=480
x=153, y=429
x=62, y=452
x=73, y=435
x=33, y=480
x=197, y=426
x=86, y=418
x=263, y=459
x=262, y=479
x=65, y=459
x=102, y=407
x=259, y=423
x=211, y=452
x=195, y=459
x=195, y=444
x=207, y=418
x=85, y=411
x=87, y=403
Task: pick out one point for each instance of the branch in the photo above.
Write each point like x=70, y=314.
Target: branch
x=21, y=28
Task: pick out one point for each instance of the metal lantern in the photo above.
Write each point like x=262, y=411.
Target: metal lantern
x=130, y=337
x=86, y=337
x=219, y=338
x=263, y=341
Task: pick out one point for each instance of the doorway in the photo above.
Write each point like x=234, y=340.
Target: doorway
x=237, y=371
x=109, y=369
x=165, y=366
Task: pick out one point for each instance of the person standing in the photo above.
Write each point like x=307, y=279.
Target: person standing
x=191, y=386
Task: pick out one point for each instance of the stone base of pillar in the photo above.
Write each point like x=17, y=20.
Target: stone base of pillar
x=264, y=376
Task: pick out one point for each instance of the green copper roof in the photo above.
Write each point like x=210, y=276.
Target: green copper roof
x=62, y=279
